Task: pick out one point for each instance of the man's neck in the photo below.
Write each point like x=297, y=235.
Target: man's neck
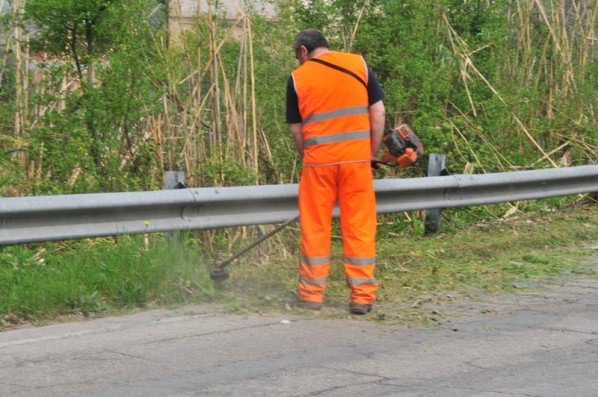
x=318, y=51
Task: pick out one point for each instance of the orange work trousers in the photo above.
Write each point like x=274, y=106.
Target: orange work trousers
x=319, y=189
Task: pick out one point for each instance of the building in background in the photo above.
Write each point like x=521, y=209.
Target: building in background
x=183, y=14
x=6, y=9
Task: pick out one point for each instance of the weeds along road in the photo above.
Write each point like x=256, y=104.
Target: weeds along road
x=535, y=343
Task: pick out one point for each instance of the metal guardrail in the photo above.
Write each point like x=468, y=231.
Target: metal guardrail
x=47, y=218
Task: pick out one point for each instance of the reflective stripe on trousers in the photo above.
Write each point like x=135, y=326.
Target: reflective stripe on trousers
x=351, y=260
x=314, y=261
x=319, y=188
x=360, y=281
x=313, y=281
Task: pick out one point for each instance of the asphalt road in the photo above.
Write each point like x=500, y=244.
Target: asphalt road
x=542, y=343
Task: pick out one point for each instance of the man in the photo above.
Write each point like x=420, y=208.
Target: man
x=336, y=114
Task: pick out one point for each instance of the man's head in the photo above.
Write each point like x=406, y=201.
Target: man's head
x=306, y=42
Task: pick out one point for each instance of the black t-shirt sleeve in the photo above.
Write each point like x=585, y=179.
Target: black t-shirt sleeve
x=375, y=92
x=293, y=115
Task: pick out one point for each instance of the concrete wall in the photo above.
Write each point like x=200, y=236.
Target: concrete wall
x=183, y=13
x=5, y=7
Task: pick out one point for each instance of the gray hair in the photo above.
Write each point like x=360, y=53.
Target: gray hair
x=310, y=39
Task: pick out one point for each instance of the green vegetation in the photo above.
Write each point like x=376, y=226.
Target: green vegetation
x=101, y=97
x=96, y=276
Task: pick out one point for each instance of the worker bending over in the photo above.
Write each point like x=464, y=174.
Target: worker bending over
x=336, y=114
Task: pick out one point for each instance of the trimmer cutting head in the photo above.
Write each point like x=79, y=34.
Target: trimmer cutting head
x=219, y=274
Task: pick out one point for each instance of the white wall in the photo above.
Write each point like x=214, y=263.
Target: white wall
x=229, y=9
x=183, y=13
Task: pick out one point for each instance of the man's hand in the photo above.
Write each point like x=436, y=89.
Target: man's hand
x=297, y=137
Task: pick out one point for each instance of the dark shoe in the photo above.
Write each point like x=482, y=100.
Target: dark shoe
x=360, y=309
x=306, y=304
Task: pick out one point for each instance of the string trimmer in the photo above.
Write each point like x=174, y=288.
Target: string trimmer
x=403, y=148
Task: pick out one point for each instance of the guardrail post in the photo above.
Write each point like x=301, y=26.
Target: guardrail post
x=174, y=180
x=436, y=167
x=595, y=194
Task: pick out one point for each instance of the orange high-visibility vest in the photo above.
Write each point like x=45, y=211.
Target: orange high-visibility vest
x=334, y=109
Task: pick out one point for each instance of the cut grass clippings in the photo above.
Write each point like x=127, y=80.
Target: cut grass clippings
x=414, y=271
x=53, y=280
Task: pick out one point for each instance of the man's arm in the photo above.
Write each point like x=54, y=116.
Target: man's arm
x=293, y=115
x=297, y=136
x=377, y=114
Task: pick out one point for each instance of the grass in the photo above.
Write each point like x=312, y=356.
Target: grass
x=95, y=276
x=50, y=281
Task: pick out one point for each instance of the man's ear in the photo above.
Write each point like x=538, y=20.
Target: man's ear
x=304, y=51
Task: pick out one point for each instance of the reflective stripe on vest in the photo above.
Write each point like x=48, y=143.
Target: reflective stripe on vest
x=338, y=137
x=336, y=113
x=351, y=260
x=314, y=260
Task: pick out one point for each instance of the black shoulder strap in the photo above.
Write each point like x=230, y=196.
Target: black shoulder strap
x=340, y=69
